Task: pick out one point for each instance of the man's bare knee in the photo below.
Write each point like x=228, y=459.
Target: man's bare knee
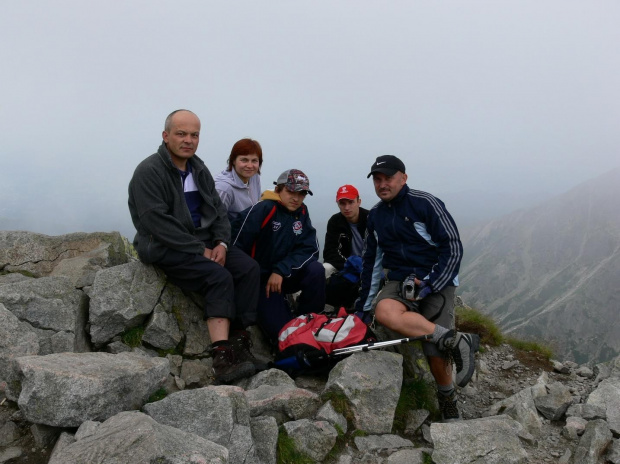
x=387, y=310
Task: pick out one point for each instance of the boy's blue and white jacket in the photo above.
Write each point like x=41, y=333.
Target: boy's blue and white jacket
x=411, y=234
x=281, y=241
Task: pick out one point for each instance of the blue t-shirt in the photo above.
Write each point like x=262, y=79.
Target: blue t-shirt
x=192, y=195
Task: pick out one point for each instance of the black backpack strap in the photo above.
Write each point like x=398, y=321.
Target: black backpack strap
x=329, y=319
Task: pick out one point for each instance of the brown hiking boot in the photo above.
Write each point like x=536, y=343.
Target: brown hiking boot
x=242, y=342
x=227, y=367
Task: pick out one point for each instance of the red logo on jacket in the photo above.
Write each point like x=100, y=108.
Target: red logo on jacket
x=297, y=227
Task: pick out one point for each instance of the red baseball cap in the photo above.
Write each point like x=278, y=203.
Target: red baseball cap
x=347, y=191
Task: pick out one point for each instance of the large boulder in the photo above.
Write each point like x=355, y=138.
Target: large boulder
x=16, y=339
x=217, y=413
x=488, y=440
x=66, y=389
x=162, y=330
x=53, y=308
x=607, y=397
x=593, y=443
x=312, y=438
x=273, y=393
x=122, y=297
x=520, y=407
x=210, y=412
x=265, y=436
x=371, y=382
x=187, y=314
x=554, y=404
x=77, y=256
x=136, y=438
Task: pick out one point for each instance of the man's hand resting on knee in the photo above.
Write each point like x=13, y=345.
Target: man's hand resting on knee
x=217, y=254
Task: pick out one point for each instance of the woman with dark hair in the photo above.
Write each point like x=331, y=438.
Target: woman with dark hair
x=239, y=184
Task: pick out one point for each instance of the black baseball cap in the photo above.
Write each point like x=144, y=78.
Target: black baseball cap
x=388, y=165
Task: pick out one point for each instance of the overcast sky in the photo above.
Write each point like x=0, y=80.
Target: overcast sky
x=505, y=97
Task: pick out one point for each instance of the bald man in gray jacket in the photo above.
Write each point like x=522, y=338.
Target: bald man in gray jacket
x=182, y=227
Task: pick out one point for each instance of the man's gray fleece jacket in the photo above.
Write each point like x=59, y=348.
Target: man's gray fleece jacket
x=160, y=214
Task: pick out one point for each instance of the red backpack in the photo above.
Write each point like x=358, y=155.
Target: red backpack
x=306, y=342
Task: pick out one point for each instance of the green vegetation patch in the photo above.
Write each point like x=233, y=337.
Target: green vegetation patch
x=287, y=451
x=177, y=350
x=339, y=446
x=530, y=346
x=415, y=393
x=133, y=337
x=129, y=248
x=177, y=313
x=157, y=396
x=340, y=404
x=359, y=433
x=473, y=321
x=26, y=273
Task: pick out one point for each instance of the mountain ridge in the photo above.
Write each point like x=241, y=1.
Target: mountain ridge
x=550, y=272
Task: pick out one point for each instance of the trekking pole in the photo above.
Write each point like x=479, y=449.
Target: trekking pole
x=305, y=360
x=378, y=345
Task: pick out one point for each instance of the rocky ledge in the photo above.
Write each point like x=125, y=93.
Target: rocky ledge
x=75, y=391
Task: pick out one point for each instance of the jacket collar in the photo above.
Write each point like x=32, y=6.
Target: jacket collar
x=399, y=197
x=237, y=182
x=298, y=212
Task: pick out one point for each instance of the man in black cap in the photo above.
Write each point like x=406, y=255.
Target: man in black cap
x=413, y=240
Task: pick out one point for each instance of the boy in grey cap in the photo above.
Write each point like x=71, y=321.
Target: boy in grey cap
x=277, y=232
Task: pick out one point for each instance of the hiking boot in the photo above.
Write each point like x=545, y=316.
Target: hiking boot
x=242, y=342
x=448, y=407
x=227, y=367
x=461, y=348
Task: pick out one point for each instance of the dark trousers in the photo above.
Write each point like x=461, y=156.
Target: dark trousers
x=340, y=291
x=274, y=312
x=230, y=291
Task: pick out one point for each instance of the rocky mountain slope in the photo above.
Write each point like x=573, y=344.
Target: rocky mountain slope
x=551, y=272
x=517, y=409
x=98, y=364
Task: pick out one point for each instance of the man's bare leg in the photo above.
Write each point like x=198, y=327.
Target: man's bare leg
x=394, y=315
x=441, y=370
x=218, y=328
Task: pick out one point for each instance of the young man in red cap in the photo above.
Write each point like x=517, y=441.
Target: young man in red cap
x=344, y=242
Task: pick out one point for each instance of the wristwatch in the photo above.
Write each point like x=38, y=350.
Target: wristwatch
x=223, y=244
